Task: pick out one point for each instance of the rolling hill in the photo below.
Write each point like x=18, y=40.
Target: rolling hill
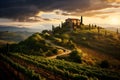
x=90, y=53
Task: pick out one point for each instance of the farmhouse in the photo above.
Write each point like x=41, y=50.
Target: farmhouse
x=74, y=23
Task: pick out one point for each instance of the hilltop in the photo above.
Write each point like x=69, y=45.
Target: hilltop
x=90, y=36
x=94, y=41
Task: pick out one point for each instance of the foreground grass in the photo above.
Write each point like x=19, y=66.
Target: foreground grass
x=70, y=70
x=29, y=74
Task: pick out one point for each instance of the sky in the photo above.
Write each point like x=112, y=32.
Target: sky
x=42, y=14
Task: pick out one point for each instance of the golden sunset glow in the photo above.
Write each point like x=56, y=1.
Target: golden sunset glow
x=114, y=21
x=59, y=39
x=100, y=12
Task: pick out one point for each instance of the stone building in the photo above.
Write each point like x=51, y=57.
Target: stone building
x=74, y=23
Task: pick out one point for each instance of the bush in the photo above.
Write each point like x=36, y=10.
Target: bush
x=55, y=51
x=104, y=64
x=75, y=56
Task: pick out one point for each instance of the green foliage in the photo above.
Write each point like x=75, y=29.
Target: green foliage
x=75, y=56
x=34, y=45
x=64, y=41
x=99, y=42
x=59, y=40
x=91, y=36
x=65, y=36
x=55, y=51
x=69, y=70
x=30, y=74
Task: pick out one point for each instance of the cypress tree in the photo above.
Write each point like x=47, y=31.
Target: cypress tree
x=53, y=27
x=89, y=27
x=117, y=31
x=98, y=30
x=81, y=22
x=105, y=33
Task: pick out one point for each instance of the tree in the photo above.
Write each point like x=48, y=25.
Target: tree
x=105, y=33
x=89, y=27
x=62, y=24
x=45, y=31
x=117, y=31
x=76, y=56
x=95, y=26
x=98, y=28
x=81, y=22
x=53, y=27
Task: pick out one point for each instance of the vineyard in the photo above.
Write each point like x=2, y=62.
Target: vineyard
x=28, y=67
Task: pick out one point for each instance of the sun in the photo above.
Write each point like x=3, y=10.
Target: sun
x=114, y=21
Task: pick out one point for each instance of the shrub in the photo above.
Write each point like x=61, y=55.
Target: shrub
x=104, y=64
x=55, y=51
x=75, y=56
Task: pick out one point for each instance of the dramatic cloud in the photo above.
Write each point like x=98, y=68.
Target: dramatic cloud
x=22, y=9
x=112, y=0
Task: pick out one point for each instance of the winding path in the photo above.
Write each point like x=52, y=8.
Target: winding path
x=55, y=56
x=66, y=51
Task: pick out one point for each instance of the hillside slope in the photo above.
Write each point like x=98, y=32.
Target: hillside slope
x=93, y=54
x=96, y=38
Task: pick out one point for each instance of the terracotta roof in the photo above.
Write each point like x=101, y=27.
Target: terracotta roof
x=72, y=19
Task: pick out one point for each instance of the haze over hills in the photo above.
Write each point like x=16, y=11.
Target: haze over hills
x=23, y=29
x=18, y=29
x=113, y=29
x=9, y=34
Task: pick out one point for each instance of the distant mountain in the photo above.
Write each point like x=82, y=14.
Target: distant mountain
x=16, y=29
x=14, y=36
x=12, y=28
